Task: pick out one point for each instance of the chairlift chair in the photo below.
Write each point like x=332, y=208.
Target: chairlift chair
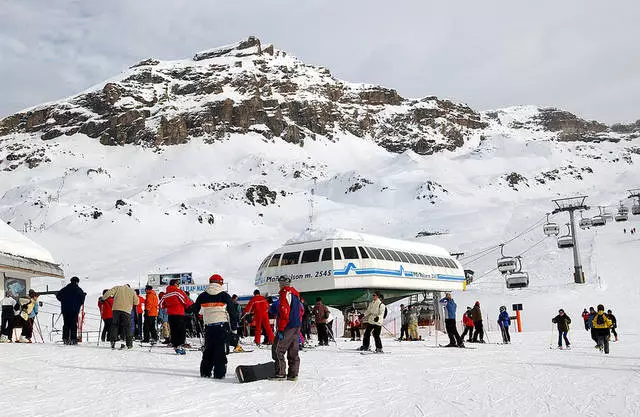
x=566, y=241
x=635, y=209
x=585, y=223
x=506, y=263
x=623, y=213
x=550, y=229
x=598, y=220
x=517, y=278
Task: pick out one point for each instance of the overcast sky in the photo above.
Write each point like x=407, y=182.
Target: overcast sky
x=580, y=55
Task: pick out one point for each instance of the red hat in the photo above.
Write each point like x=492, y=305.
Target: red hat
x=216, y=278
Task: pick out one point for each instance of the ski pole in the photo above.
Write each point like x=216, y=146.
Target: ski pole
x=39, y=329
x=551, y=337
x=99, y=333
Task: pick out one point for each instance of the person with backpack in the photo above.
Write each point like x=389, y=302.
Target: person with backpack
x=176, y=301
x=404, y=322
x=468, y=325
x=214, y=304
x=71, y=300
x=476, y=316
x=259, y=307
x=106, y=314
x=585, y=317
x=602, y=324
x=504, y=321
x=321, y=314
x=614, y=324
x=373, y=317
x=562, y=321
x=28, y=312
x=354, y=324
x=449, y=307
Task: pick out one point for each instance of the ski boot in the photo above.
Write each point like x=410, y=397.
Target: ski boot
x=379, y=350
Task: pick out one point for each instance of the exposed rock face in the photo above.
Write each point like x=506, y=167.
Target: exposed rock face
x=251, y=88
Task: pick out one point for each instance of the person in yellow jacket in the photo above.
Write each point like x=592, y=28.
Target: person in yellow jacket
x=602, y=324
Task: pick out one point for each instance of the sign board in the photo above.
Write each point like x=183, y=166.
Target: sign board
x=15, y=287
x=157, y=280
x=517, y=307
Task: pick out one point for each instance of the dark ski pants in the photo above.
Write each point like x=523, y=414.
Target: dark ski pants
x=106, y=329
x=178, y=330
x=452, y=331
x=306, y=329
x=603, y=342
x=289, y=345
x=615, y=334
x=506, y=337
x=121, y=325
x=214, y=356
x=467, y=329
x=8, y=320
x=355, y=332
x=70, y=327
x=562, y=335
x=404, y=331
x=150, y=329
x=593, y=335
x=479, y=331
x=323, y=337
x=376, y=336
x=27, y=328
x=138, y=326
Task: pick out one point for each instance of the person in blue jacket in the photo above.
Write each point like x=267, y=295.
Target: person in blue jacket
x=449, y=307
x=504, y=321
x=71, y=300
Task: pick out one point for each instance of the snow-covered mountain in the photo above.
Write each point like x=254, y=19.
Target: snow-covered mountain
x=206, y=165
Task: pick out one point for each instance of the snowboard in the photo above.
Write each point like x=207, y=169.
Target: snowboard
x=252, y=373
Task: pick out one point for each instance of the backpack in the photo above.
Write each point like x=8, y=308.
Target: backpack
x=600, y=319
x=384, y=316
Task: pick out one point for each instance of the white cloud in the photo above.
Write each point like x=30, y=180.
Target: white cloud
x=578, y=55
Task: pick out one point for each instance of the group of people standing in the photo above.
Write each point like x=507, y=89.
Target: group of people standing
x=472, y=322
x=18, y=312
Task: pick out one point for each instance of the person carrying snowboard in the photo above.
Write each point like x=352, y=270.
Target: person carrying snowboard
x=175, y=301
x=601, y=325
x=449, y=307
x=468, y=325
x=504, y=321
x=288, y=324
x=373, y=317
x=614, y=324
x=214, y=304
x=259, y=307
x=71, y=300
x=562, y=321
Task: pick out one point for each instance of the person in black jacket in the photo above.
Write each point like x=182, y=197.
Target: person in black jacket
x=562, y=321
x=71, y=300
x=614, y=324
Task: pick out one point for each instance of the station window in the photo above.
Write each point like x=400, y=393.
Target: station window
x=310, y=256
x=350, y=252
x=386, y=255
x=417, y=258
x=336, y=254
x=395, y=255
x=451, y=263
x=411, y=258
x=375, y=253
x=439, y=261
x=290, y=258
x=363, y=253
x=275, y=259
x=326, y=254
x=404, y=257
x=430, y=260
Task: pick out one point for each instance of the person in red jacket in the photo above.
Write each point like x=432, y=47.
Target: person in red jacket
x=106, y=314
x=138, y=329
x=288, y=323
x=175, y=301
x=468, y=324
x=260, y=307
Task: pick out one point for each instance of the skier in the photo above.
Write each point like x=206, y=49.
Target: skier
x=373, y=317
x=601, y=325
x=354, y=325
x=9, y=304
x=260, y=308
x=450, y=321
x=28, y=312
x=214, y=304
x=149, y=328
x=306, y=319
x=124, y=300
x=413, y=323
x=288, y=324
x=106, y=314
x=592, y=314
x=235, y=311
x=404, y=322
x=175, y=301
x=504, y=321
x=562, y=321
x=468, y=324
x=321, y=313
x=476, y=316
x=71, y=300
x=614, y=324
x=585, y=317
x=138, y=319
